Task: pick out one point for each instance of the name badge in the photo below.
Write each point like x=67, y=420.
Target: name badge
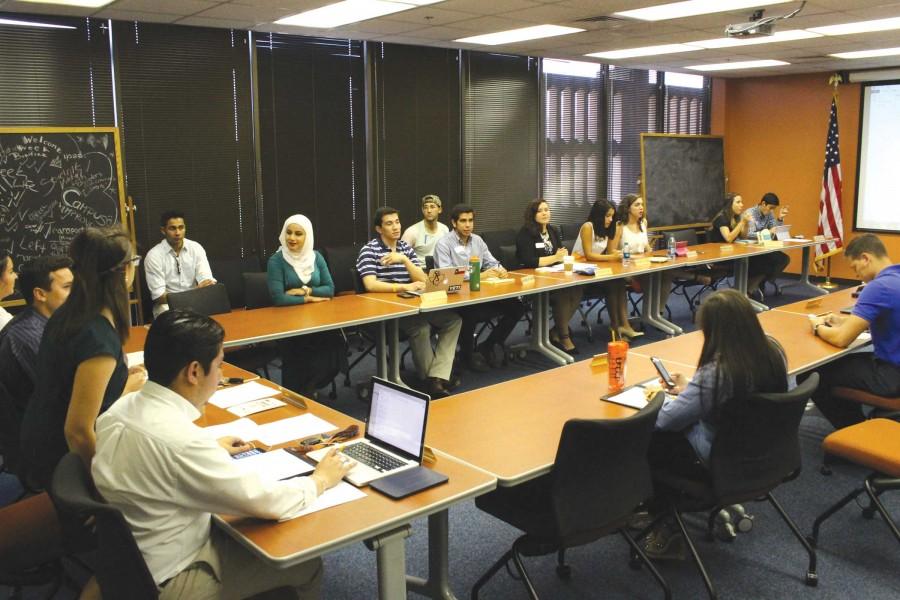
x=460, y=249
x=539, y=245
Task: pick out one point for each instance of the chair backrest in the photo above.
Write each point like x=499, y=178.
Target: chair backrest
x=496, y=239
x=358, y=285
x=507, y=257
x=601, y=473
x=209, y=300
x=757, y=442
x=340, y=259
x=10, y=424
x=429, y=263
x=681, y=235
x=569, y=231
x=256, y=290
x=120, y=569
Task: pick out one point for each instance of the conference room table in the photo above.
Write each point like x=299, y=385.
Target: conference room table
x=523, y=418
x=381, y=522
x=251, y=326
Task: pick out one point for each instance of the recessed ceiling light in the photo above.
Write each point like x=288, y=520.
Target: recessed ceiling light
x=519, y=35
x=84, y=3
x=690, y=8
x=747, y=64
x=868, y=53
x=34, y=24
x=644, y=51
x=781, y=36
x=350, y=11
x=572, y=68
x=859, y=27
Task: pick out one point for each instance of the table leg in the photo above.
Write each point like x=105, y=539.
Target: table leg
x=804, y=282
x=437, y=586
x=390, y=549
x=540, y=333
x=741, y=274
x=395, y=353
x=381, y=350
x=652, y=311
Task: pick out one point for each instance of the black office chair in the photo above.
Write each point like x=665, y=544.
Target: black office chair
x=209, y=300
x=230, y=271
x=496, y=240
x=599, y=478
x=10, y=423
x=256, y=290
x=429, y=263
x=120, y=567
x=691, y=287
x=756, y=449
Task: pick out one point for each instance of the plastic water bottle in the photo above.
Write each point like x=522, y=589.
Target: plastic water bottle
x=626, y=255
x=671, y=252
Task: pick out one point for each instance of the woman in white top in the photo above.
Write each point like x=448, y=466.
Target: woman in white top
x=595, y=243
x=633, y=231
x=7, y=284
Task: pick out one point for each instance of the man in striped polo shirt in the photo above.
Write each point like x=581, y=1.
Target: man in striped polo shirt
x=388, y=264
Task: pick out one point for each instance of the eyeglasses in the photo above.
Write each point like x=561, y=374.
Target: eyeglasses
x=178, y=266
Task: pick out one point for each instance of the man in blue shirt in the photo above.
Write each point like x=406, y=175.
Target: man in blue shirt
x=878, y=310
x=388, y=264
x=767, y=215
x=455, y=250
x=45, y=283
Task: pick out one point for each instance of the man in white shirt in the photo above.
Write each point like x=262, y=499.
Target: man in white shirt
x=423, y=235
x=167, y=475
x=176, y=264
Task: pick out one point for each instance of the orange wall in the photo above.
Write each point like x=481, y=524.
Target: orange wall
x=775, y=130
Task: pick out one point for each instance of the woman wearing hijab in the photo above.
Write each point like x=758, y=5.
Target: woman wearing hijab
x=297, y=274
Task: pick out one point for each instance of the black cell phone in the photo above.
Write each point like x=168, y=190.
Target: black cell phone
x=857, y=291
x=406, y=295
x=663, y=372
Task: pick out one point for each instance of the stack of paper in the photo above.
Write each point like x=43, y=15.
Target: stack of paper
x=272, y=434
x=274, y=465
x=246, y=392
x=339, y=494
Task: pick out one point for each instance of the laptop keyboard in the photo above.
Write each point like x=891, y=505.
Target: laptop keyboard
x=371, y=456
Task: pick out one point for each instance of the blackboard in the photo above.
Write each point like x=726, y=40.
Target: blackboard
x=683, y=178
x=53, y=183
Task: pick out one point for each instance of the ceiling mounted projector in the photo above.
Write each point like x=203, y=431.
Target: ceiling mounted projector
x=758, y=26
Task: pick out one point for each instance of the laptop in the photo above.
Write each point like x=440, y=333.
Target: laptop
x=395, y=434
x=782, y=232
x=446, y=279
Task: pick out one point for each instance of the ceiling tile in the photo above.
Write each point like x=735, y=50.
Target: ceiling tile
x=172, y=7
x=220, y=23
x=250, y=14
x=383, y=26
x=429, y=15
x=550, y=14
x=490, y=24
x=488, y=7
x=136, y=15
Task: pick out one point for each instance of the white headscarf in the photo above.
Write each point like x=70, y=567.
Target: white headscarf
x=303, y=261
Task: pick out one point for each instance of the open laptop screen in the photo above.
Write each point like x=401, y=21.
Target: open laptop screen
x=397, y=417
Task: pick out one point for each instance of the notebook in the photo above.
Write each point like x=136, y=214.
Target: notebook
x=395, y=433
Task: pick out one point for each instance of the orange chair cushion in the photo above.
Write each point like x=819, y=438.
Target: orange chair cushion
x=866, y=398
x=31, y=533
x=874, y=444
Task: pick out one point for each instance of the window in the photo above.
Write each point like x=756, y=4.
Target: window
x=186, y=129
x=632, y=111
x=575, y=140
x=686, y=103
x=312, y=137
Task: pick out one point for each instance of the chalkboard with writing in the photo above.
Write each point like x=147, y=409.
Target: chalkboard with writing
x=683, y=178
x=53, y=183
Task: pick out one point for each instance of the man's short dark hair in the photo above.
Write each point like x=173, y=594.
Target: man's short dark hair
x=381, y=213
x=36, y=274
x=770, y=198
x=868, y=243
x=460, y=209
x=169, y=215
x=176, y=339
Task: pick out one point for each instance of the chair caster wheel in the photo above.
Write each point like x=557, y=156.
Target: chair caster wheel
x=362, y=392
x=812, y=579
x=564, y=572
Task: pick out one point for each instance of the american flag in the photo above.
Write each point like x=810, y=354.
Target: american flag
x=830, y=222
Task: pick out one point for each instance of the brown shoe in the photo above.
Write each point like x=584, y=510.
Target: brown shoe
x=436, y=388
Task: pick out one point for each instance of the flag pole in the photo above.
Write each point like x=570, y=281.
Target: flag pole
x=828, y=284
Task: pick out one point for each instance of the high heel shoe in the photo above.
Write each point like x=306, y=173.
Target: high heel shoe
x=559, y=344
x=630, y=335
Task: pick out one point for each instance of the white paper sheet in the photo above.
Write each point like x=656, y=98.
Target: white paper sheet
x=254, y=406
x=242, y=428
x=633, y=397
x=246, y=392
x=134, y=359
x=294, y=428
x=339, y=494
x=274, y=465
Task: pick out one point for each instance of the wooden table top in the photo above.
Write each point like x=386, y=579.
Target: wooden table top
x=311, y=535
x=275, y=322
x=832, y=302
x=512, y=429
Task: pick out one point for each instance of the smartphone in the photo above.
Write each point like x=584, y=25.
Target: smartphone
x=246, y=453
x=407, y=295
x=663, y=372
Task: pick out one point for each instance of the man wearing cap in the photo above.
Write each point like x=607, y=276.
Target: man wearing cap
x=767, y=215
x=423, y=235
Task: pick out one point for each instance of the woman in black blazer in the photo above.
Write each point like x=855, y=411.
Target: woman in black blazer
x=539, y=244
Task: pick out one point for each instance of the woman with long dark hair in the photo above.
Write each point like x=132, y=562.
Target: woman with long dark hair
x=539, y=244
x=596, y=243
x=7, y=284
x=737, y=359
x=81, y=364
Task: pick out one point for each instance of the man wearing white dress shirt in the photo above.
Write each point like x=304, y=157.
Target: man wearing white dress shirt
x=167, y=475
x=176, y=264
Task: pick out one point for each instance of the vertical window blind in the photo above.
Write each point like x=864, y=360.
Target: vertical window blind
x=632, y=111
x=312, y=137
x=186, y=128
x=501, y=116
x=417, y=127
x=686, y=103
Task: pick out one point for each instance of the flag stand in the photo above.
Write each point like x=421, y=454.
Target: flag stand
x=828, y=284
